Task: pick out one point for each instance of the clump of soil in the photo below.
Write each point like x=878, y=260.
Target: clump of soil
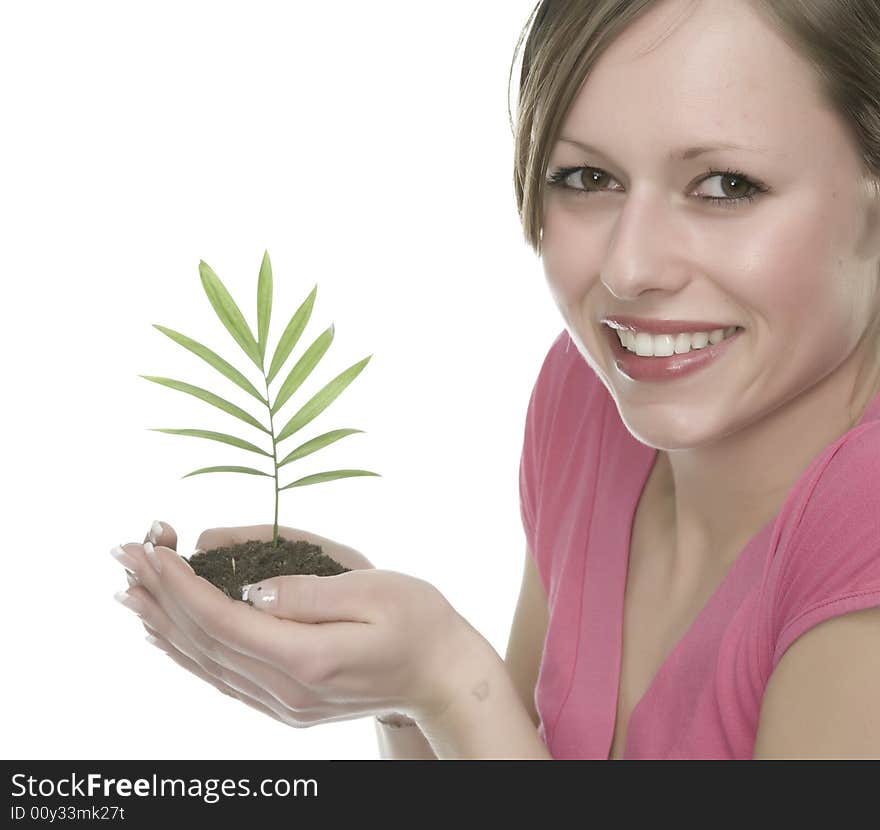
x=231, y=568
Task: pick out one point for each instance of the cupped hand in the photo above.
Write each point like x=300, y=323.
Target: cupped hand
x=312, y=649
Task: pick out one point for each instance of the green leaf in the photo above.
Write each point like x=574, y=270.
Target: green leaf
x=210, y=398
x=215, y=436
x=264, y=304
x=316, y=444
x=322, y=399
x=250, y=470
x=328, y=476
x=303, y=368
x=229, y=313
x=291, y=334
x=214, y=359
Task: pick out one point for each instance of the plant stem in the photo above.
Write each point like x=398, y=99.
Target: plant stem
x=275, y=464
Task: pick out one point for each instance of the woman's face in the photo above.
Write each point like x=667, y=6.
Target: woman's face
x=795, y=267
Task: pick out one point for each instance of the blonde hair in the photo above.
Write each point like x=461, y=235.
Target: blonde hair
x=839, y=38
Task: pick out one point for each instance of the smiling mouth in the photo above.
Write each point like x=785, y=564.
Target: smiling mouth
x=644, y=344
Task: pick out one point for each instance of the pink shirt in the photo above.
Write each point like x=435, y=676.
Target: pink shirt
x=581, y=475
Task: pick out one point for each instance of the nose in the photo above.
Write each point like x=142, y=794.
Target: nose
x=647, y=249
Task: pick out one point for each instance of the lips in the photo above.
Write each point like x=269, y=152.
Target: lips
x=653, y=369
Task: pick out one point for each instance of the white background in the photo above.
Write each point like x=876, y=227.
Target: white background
x=367, y=147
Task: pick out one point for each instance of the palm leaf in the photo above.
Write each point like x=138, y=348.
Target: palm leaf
x=229, y=313
x=214, y=360
x=322, y=399
x=303, y=368
x=210, y=398
x=264, y=305
x=249, y=470
x=328, y=476
x=316, y=444
x=291, y=334
x=215, y=436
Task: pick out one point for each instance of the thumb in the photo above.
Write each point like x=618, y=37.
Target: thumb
x=312, y=599
x=161, y=533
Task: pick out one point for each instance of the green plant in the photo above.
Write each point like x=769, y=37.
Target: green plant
x=255, y=349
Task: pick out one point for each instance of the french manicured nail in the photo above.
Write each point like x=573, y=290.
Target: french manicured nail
x=128, y=601
x=261, y=595
x=122, y=558
x=153, y=556
x=155, y=532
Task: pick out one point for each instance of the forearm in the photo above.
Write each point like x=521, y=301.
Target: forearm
x=403, y=743
x=485, y=719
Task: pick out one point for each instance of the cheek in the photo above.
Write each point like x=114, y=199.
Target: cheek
x=571, y=254
x=791, y=275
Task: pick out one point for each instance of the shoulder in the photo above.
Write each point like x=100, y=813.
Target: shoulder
x=561, y=424
x=555, y=367
x=821, y=700
x=857, y=457
x=843, y=486
x=567, y=399
x=827, y=557
x=843, y=478
x=827, y=611
x=566, y=381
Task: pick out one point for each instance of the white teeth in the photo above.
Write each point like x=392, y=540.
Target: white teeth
x=663, y=345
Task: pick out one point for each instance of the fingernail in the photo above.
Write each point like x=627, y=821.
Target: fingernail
x=155, y=532
x=128, y=601
x=153, y=556
x=261, y=595
x=123, y=558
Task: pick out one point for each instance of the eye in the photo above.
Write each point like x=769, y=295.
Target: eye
x=741, y=188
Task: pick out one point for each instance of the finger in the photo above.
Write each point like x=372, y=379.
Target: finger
x=304, y=652
x=213, y=657
x=256, y=697
x=194, y=668
x=157, y=623
x=161, y=533
x=307, y=598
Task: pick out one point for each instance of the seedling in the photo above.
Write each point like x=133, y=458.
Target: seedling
x=259, y=559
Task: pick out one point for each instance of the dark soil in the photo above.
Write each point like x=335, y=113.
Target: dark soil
x=231, y=568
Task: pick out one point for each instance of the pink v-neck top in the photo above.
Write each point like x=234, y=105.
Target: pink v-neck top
x=581, y=476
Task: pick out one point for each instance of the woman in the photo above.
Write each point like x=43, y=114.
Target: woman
x=700, y=476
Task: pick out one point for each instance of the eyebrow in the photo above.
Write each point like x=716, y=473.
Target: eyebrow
x=685, y=154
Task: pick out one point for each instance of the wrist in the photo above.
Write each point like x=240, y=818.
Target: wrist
x=485, y=720
x=464, y=654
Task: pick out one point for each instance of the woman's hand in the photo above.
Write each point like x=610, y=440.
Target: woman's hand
x=312, y=649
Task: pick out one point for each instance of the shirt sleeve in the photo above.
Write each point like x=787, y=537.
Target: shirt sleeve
x=831, y=563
